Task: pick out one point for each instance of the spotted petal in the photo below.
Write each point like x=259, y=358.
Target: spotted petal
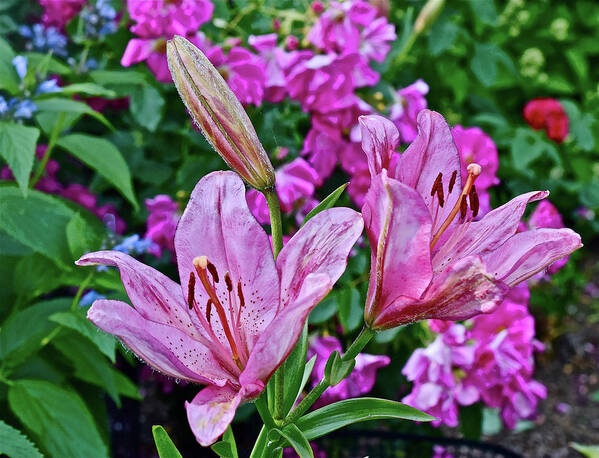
x=165, y=348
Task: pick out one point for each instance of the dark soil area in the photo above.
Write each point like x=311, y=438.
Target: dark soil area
x=570, y=371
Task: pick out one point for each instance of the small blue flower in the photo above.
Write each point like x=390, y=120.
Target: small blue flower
x=47, y=87
x=90, y=297
x=44, y=39
x=20, y=64
x=133, y=244
x=3, y=105
x=24, y=109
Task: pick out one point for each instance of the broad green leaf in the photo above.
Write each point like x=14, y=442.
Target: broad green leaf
x=9, y=80
x=485, y=11
x=23, y=332
x=105, y=158
x=590, y=451
x=350, y=308
x=90, y=89
x=527, y=146
x=325, y=310
x=81, y=236
x=487, y=59
x=297, y=440
x=17, y=147
x=38, y=222
x=88, y=363
x=147, y=106
x=442, y=36
x=52, y=64
x=35, y=275
x=589, y=195
x=471, y=421
x=110, y=77
x=58, y=418
x=11, y=247
x=343, y=413
x=77, y=321
x=62, y=105
x=582, y=126
x=15, y=444
x=294, y=370
x=594, y=396
x=327, y=203
x=165, y=446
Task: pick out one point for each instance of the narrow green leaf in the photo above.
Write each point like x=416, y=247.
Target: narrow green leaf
x=9, y=80
x=226, y=448
x=77, y=321
x=165, y=446
x=590, y=451
x=105, y=158
x=327, y=203
x=17, y=147
x=297, y=440
x=15, y=444
x=58, y=418
x=61, y=105
x=294, y=370
x=343, y=413
x=38, y=222
x=88, y=89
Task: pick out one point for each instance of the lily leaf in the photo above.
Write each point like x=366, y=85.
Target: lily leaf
x=327, y=203
x=165, y=446
x=343, y=413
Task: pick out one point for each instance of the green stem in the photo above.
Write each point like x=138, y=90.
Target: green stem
x=262, y=407
x=82, y=287
x=277, y=244
x=356, y=347
x=53, y=138
x=260, y=444
x=405, y=50
x=275, y=220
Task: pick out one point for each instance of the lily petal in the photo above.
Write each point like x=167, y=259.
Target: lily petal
x=211, y=412
x=165, y=348
x=398, y=225
x=218, y=224
x=461, y=291
x=275, y=344
x=379, y=141
x=432, y=152
x=527, y=253
x=155, y=296
x=320, y=247
x=489, y=233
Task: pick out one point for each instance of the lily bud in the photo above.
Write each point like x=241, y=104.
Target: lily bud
x=428, y=15
x=217, y=112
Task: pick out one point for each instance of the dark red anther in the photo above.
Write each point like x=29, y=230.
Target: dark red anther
x=208, y=310
x=437, y=184
x=440, y=195
x=474, y=204
x=228, y=282
x=191, y=290
x=463, y=206
x=213, y=272
x=454, y=176
x=240, y=294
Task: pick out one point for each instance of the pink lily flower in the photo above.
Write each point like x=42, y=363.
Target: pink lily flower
x=429, y=258
x=237, y=313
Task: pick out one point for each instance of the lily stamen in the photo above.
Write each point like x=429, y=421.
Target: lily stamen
x=474, y=171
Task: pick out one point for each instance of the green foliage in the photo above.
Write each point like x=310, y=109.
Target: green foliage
x=15, y=444
x=17, y=147
x=57, y=417
x=165, y=446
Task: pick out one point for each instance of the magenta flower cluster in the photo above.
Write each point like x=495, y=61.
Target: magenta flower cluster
x=488, y=358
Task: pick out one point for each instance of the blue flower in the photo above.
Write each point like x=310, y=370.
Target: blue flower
x=48, y=87
x=20, y=64
x=3, y=105
x=24, y=109
x=89, y=298
x=133, y=244
x=44, y=39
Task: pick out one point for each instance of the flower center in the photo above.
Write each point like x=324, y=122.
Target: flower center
x=227, y=318
x=468, y=195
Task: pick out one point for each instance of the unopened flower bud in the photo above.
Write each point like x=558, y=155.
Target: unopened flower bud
x=291, y=42
x=428, y=15
x=218, y=113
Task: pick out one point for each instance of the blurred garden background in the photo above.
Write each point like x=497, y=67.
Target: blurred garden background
x=98, y=152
